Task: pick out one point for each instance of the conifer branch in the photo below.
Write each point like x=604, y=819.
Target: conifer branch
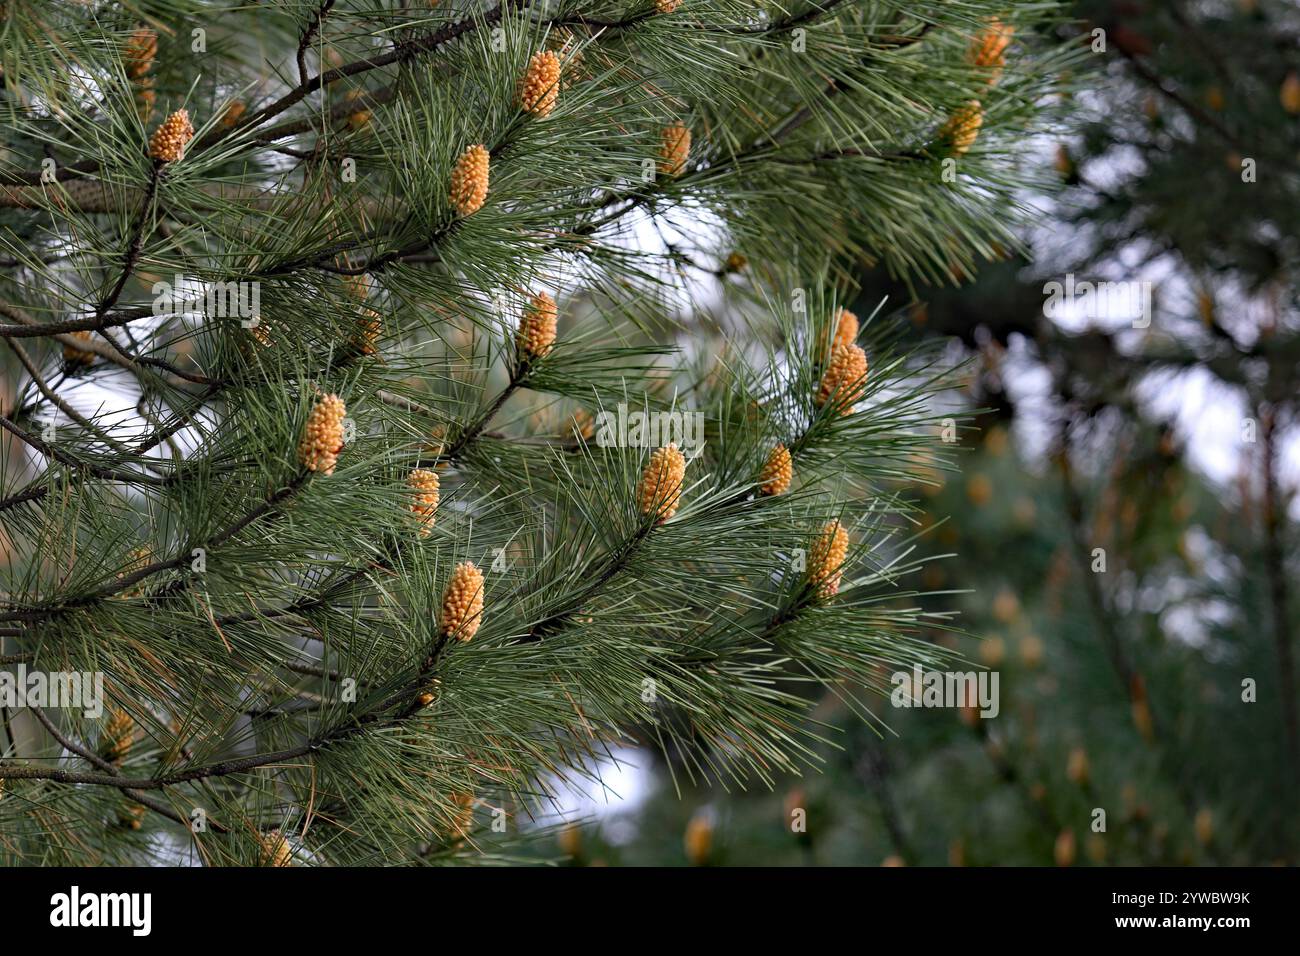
x=35, y=491
x=135, y=243
x=128, y=581
x=59, y=403
x=90, y=756
x=492, y=169
x=317, y=21
x=64, y=458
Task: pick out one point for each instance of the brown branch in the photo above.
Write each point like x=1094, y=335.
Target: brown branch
x=314, y=744
x=304, y=42
x=518, y=379
x=224, y=768
x=58, y=401
x=374, y=719
x=87, y=754
x=467, y=437
x=50, y=451
x=400, y=54
x=34, y=492
x=136, y=242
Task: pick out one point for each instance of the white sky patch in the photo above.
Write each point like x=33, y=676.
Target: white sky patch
x=609, y=787
x=1206, y=414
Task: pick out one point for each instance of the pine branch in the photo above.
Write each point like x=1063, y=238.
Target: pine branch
x=89, y=755
x=245, y=665
x=128, y=581
x=62, y=405
x=35, y=492
x=317, y=21
x=63, y=458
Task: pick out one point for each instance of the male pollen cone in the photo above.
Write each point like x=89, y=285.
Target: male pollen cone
x=369, y=326
x=989, y=49
x=169, y=140
x=660, y=490
x=963, y=127
x=79, y=356
x=144, y=97
x=275, y=850
x=674, y=148
x=117, y=736
x=322, y=437
x=777, y=472
x=537, y=327
x=539, y=87
x=232, y=114
x=846, y=330
x=425, y=486
x=140, y=51
x=843, y=378
x=826, y=559
x=462, y=602
x=469, y=180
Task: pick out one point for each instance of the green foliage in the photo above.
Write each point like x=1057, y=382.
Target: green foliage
x=276, y=634
x=1172, y=672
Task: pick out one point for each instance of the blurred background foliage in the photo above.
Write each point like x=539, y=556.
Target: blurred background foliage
x=1161, y=691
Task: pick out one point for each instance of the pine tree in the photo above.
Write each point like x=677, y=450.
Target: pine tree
x=334, y=331
x=1160, y=685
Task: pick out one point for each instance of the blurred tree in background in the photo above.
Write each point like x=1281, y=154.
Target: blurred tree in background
x=1161, y=690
